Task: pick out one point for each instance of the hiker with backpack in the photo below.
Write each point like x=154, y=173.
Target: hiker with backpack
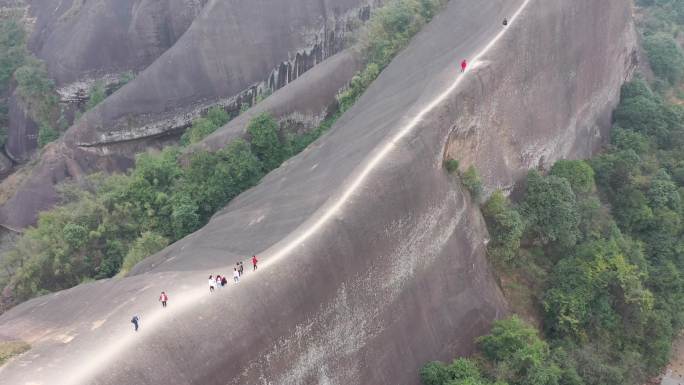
x=241, y=269
x=236, y=275
x=135, y=321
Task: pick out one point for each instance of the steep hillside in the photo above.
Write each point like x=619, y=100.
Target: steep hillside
x=373, y=258
x=214, y=62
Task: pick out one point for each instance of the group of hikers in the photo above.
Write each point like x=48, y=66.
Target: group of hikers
x=217, y=281
x=220, y=281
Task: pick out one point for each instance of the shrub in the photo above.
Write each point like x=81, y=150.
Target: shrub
x=665, y=56
x=147, y=244
x=551, y=209
x=9, y=349
x=12, y=49
x=46, y=134
x=451, y=165
x=520, y=356
x=577, y=172
x=96, y=95
x=434, y=373
x=264, y=141
x=218, y=116
x=471, y=180
x=199, y=130
x=505, y=227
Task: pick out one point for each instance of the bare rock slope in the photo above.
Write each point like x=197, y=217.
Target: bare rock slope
x=372, y=257
x=87, y=41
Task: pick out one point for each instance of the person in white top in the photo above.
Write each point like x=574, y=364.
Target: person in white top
x=236, y=275
x=211, y=284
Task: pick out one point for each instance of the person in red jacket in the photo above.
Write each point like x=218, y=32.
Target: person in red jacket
x=464, y=64
x=254, y=262
x=163, y=298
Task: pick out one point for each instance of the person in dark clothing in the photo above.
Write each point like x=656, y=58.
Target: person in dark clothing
x=254, y=262
x=505, y=22
x=224, y=281
x=135, y=320
x=241, y=269
x=163, y=298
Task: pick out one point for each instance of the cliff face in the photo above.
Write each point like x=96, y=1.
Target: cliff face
x=372, y=257
x=81, y=39
x=551, y=90
x=230, y=50
x=83, y=42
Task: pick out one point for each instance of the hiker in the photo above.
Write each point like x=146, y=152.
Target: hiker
x=211, y=283
x=237, y=266
x=135, y=321
x=224, y=281
x=163, y=298
x=464, y=64
x=218, y=281
x=236, y=275
x=505, y=22
x=254, y=262
x=241, y=269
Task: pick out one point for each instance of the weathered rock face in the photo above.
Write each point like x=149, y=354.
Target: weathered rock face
x=229, y=49
x=22, y=133
x=303, y=104
x=87, y=41
x=372, y=258
x=81, y=39
x=571, y=83
x=226, y=56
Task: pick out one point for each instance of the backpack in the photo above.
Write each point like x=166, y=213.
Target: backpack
x=134, y=319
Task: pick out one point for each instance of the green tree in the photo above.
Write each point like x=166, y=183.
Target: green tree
x=264, y=141
x=577, y=172
x=97, y=94
x=12, y=49
x=551, y=209
x=218, y=116
x=471, y=180
x=519, y=355
x=665, y=57
x=147, y=244
x=505, y=227
x=200, y=129
x=185, y=217
x=75, y=235
x=663, y=193
x=46, y=134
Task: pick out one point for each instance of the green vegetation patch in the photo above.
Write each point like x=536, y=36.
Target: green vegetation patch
x=9, y=349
